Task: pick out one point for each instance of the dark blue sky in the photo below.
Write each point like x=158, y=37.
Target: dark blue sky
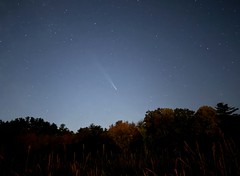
x=79, y=62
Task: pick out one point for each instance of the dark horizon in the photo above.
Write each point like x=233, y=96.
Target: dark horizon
x=166, y=142
x=234, y=112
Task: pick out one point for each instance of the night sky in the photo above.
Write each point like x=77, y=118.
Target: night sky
x=79, y=62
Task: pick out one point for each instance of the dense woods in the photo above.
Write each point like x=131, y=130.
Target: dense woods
x=166, y=142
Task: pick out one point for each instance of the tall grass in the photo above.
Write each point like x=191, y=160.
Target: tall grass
x=219, y=159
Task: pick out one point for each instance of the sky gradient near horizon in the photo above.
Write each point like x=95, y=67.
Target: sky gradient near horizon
x=79, y=62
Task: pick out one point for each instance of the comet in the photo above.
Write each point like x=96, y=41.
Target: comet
x=107, y=77
x=112, y=84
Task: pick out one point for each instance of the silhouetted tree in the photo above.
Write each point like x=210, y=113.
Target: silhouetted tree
x=159, y=122
x=183, y=121
x=229, y=121
x=224, y=110
x=95, y=130
x=63, y=129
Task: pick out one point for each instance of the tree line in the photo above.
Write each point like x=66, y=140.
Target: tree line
x=167, y=141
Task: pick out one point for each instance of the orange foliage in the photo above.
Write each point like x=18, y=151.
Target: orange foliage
x=123, y=133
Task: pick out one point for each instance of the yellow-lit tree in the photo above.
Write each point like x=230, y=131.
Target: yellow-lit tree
x=206, y=121
x=123, y=134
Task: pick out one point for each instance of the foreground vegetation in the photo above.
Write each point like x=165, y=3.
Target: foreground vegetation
x=167, y=142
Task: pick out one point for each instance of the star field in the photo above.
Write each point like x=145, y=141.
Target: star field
x=99, y=61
